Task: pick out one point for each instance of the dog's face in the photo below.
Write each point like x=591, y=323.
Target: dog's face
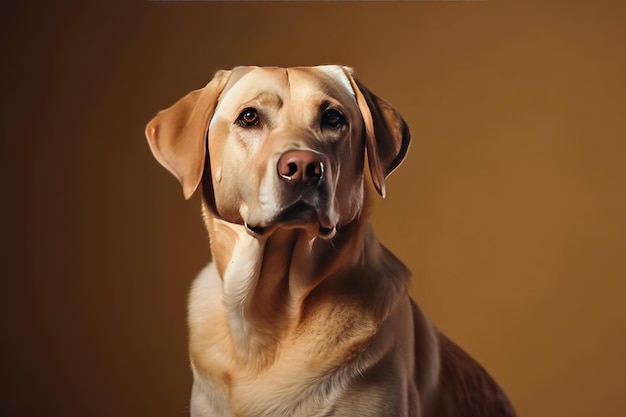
x=286, y=149
x=286, y=146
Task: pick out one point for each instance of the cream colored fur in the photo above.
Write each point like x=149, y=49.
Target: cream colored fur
x=302, y=312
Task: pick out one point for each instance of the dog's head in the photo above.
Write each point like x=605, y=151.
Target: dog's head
x=281, y=147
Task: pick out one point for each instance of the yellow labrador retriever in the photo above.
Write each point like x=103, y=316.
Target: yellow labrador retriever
x=302, y=311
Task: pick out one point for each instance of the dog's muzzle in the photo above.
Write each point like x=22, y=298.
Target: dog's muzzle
x=302, y=176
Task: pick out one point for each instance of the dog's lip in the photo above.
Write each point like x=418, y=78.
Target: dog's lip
x=325, y=233
x=297, y=215
x=256, y=230
x=299, y=211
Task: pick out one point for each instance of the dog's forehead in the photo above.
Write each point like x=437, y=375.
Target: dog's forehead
x=325, y=79
x=285, y=84
x=338, y=74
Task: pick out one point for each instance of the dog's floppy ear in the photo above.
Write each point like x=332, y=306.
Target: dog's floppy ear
x=387, y=135
x=177, y=135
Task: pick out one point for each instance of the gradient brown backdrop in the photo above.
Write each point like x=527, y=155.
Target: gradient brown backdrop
x=510, y=208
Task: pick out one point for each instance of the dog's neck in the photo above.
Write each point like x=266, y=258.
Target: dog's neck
x=267, y=281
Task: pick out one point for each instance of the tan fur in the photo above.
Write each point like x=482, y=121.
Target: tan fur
x=302, y=312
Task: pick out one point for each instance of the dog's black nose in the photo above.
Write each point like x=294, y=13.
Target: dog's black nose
x=301, y=167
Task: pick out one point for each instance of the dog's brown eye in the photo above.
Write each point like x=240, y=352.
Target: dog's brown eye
x=333, y=118
x=249, y=117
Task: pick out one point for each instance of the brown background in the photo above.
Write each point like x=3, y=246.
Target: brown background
x=510, y=208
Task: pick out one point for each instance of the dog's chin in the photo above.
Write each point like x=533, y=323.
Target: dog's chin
x=297, y=216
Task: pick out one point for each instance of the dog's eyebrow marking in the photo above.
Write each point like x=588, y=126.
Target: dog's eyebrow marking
x=331, y=104
x=266, y=98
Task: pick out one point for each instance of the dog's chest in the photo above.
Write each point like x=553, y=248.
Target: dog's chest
x=299, y=380
x=307, y=371
x=283, y=391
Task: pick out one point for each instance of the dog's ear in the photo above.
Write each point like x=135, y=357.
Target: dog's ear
x=178, y=135
x=387, y=135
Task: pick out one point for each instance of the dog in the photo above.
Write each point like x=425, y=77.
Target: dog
x=302, y=312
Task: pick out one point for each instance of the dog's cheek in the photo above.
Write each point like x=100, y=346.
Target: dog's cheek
x=216, y=143
x=351, y=203
x=228, y=201
x=350, y=185
x=223, y=167
x=258, y=185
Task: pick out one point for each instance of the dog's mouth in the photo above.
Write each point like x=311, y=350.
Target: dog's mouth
x=298, y=215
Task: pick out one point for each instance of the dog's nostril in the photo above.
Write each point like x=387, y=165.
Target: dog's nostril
x=314, y=170
x=292, y=168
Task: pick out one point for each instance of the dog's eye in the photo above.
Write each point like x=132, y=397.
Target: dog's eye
x=248, y=117
x=333, y=118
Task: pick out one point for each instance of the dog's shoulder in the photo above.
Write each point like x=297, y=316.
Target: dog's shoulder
x=474, y=391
